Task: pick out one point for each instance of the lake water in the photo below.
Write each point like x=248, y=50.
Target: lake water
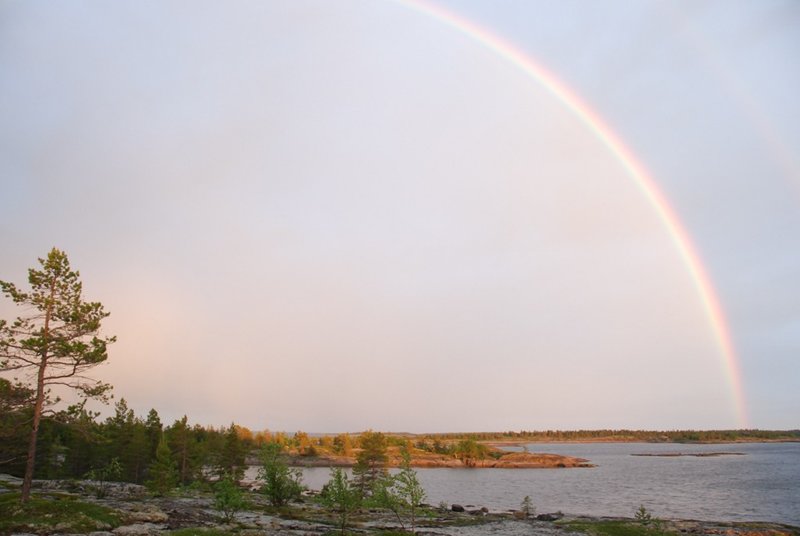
x=761, y=485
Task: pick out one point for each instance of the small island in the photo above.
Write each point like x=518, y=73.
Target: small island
x=465, y=453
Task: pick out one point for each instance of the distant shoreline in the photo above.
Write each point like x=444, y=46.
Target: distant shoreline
x=691, y=454
x=516, y=442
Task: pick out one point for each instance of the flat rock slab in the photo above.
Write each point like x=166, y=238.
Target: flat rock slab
x=140, y=529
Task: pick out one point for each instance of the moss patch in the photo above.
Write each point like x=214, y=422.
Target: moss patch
x=616, y=528
x=53, y=512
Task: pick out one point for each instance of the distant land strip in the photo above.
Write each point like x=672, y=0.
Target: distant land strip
x=621, y=435
x=694, y=454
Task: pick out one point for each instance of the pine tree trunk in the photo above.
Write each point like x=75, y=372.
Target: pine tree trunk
x=184, y=478
x=27, y=481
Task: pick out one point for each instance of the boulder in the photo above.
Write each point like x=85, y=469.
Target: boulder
x=549, y=517
x=457, y=508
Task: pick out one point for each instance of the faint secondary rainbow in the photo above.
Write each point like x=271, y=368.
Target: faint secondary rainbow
x=630, y=163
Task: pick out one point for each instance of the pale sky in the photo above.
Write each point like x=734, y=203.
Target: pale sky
x=340, y=215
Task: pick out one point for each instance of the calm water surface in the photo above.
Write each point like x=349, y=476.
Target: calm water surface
x=764, y=484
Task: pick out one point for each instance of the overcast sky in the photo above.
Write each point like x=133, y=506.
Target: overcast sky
x=341, y=215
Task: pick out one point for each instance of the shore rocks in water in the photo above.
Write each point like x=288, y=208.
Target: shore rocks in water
x=457, y=508
x=549, y=517
x=482, y=511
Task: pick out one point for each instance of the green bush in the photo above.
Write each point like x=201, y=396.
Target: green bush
x=341, y=496
x=280, y=483
x=228, y=498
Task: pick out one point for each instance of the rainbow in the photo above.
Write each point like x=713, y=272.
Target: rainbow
x=643, y=179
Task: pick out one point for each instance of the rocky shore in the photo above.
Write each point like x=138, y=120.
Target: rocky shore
x=134, y=512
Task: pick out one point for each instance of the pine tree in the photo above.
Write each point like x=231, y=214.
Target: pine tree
x=154, y=430
x=370, y=461
x=232, y=458
x=163, y=474
x=183, y=443
x=280, y=483
x=56, y=343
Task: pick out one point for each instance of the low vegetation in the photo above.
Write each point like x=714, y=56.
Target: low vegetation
x=617, y=528
x=56, y=512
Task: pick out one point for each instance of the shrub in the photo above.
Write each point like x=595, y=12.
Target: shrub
x=643, y=516
x=526, y=506
x=341, y=496
x=111, y=471
x=280, y=483
x=228, y=498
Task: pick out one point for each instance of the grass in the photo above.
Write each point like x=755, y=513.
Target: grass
x=43, y=513
x=616, y=528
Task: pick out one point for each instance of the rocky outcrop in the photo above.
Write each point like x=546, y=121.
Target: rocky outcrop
x=528, y=460
x=111, y=490
x=139, y=529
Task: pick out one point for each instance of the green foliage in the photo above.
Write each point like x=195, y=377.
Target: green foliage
x=408, y=488
x=42, y=514
x=280, y=483
x=616, y=528
x=62, y=335
x=231, y=459
x=163, y=474
x=401, y=493
x=15, y=402
x=153, y=430
x=75, y=443
x=526, y=506
x=469, y=451
x=341, y=496
x=188, y=446
x=385, y=496
x=228, y=498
